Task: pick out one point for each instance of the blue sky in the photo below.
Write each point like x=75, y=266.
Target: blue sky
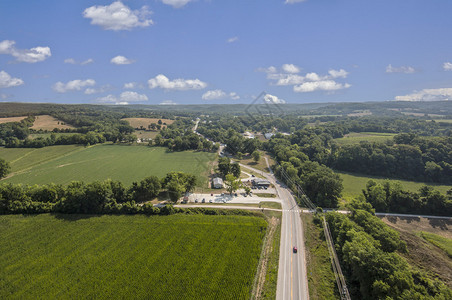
x=218, y=51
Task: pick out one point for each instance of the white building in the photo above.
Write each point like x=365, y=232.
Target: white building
x=218, y=183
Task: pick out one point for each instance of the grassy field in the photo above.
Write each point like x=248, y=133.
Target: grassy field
x=321, y=279
x=354, y=184
x=356, y=137
x=46, y=122
x=63, y=164
x=439, y=241
x=121, y=257
x=11, y=119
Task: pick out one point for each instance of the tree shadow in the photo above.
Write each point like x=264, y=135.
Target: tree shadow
x=440, y=223
x=74, y=217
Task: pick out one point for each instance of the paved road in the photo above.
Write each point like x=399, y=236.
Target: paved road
x=292, y=278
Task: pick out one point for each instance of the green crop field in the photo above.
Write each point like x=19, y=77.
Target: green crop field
x=354, y=184
x=121, y=257
x=355, y=137
x=63, y=164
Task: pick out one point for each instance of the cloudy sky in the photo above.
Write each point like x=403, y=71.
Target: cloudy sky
x=218, y=51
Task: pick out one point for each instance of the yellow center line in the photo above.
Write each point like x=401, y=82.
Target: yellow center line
x=291, y=256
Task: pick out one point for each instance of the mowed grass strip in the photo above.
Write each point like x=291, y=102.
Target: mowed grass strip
x=100, y=162
x=439, y=241
x=121, y=257
x=356, y=137
x=354, y=184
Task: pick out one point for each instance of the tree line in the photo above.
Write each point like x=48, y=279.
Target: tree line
x=97, y=197
x=391, y=197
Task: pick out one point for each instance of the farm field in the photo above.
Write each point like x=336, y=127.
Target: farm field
x=115, y=257
x=354, y=184
x=11, y=119
x=63, y=164
x=46, y=122
x=356, y=137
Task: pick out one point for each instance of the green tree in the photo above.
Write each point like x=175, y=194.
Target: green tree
x=175, y=190
x=147, y=189
x=4, y=168
x=256, y=155
x=235, y=169
x=232, y=183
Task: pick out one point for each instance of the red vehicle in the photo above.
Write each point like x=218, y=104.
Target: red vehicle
x=295, y=249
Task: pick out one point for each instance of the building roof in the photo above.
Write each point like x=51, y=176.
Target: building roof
x=217, y=180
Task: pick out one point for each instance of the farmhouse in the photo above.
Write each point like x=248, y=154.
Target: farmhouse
x=260, y=182
x=218, y=183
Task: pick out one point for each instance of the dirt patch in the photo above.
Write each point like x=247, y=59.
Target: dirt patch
x=46, y=122
x=12, y=119
x=440, y=227
x=265, y=255
x=145, y=122
x=422, y=254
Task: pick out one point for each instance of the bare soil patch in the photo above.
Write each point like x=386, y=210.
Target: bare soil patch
x=11, y=119
x=46, y=122
x=421, y=253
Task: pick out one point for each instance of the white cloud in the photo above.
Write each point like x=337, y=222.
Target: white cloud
x=5, y=96
x=273, y=99
x=73, y=85
x=74, y=62
x=7, y=81
x=102, y=89
x=290, y=68
x=338, y=73
x=308, y=82
x=70, y=61
x=130, y=85
x=168, y=102
x=32, y=55
x=323, y=85
x=121, y=60
x=219, y=94
x=447, y=66
x=176, y=3
x=270, y=70
x=234, y=96
x=118, y=16
x=290, y=79
x=233, y=39
x=293, y=1
x=440, y=94
x=402, y=69
x=129, y=96
x=161, y=81
x=124, y=98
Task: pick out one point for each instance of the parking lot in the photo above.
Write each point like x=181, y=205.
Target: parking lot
x=226, y=198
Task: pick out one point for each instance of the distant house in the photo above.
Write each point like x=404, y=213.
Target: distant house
x=260, y=182
x=218, y=183
x=268, y=135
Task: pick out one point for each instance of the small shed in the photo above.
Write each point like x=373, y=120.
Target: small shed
x=218, y=183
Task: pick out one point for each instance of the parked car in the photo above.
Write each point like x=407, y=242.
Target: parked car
x=210, y=201
x=196, y=201
x=252, y=175
x=295, y=249
x=203, y=200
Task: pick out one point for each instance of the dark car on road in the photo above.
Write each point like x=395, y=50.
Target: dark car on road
x=295, y=249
